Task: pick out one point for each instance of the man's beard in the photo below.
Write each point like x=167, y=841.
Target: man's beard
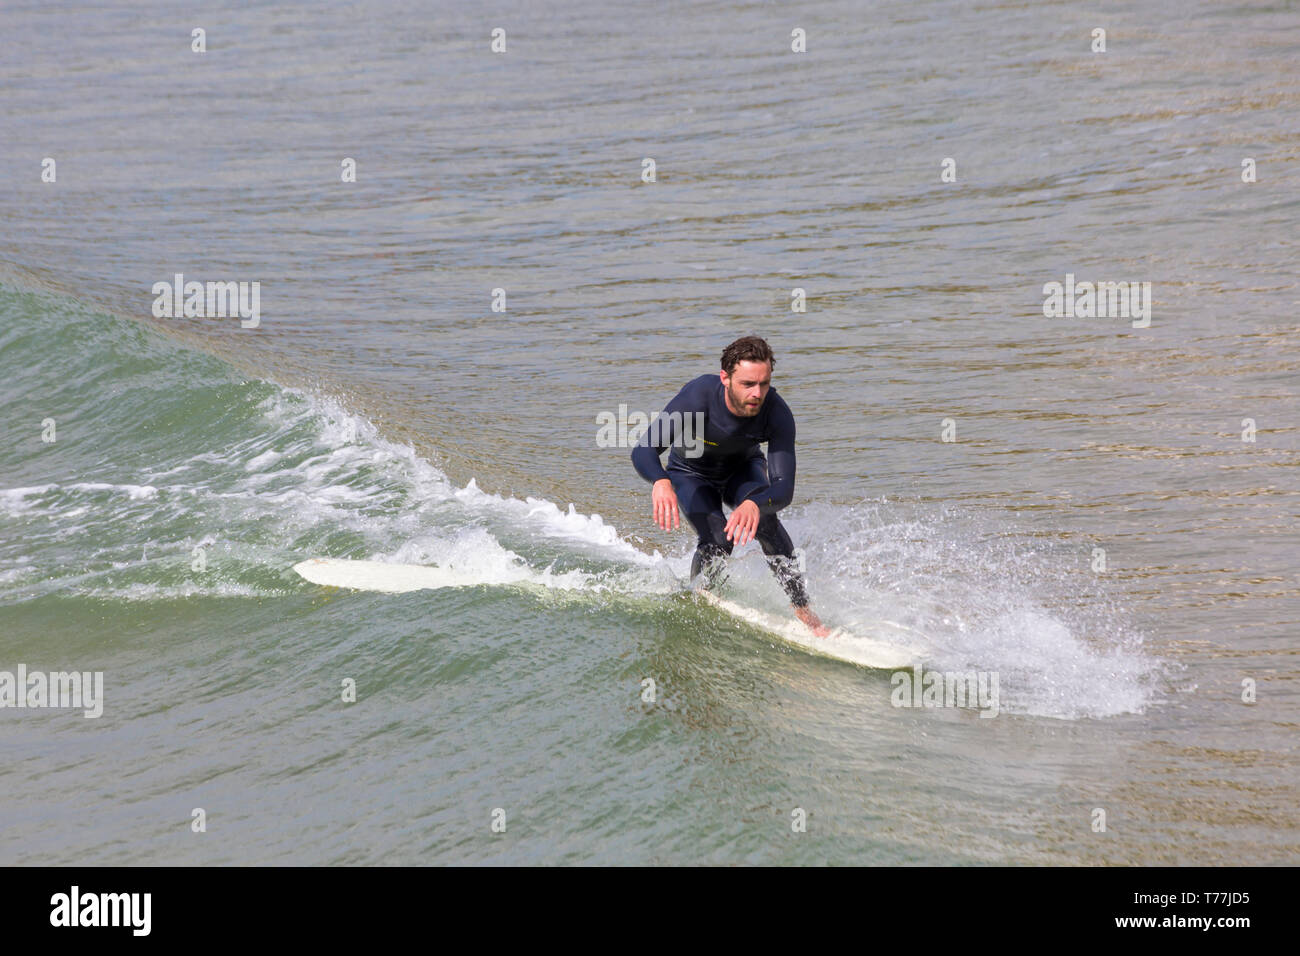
x=739, y=402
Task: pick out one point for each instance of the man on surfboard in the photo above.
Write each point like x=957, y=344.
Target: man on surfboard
x=740, y=409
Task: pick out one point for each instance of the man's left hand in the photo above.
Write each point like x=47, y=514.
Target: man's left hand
x=743, y=523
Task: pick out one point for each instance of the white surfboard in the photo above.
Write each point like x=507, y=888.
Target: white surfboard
x=384, y=576
x=873, y=652
x=885, y=654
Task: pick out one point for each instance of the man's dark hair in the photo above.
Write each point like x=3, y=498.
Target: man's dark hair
x=748, y=349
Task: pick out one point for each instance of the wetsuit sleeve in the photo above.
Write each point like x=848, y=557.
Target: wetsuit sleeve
x=645, y=456
x=780, y=463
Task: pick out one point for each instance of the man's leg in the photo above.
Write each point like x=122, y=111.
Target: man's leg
x=701, y=502
x=771, y=534
x=776, y=544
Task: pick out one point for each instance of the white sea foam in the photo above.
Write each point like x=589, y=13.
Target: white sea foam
x=134, y=492
x=146, y=591
x=354, y=443
x=476, y=555
x=982, y=597
x=14, y=500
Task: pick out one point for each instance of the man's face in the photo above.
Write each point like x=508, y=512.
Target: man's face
x=747, y=387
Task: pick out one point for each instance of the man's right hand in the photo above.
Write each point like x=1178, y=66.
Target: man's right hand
x=665, y=505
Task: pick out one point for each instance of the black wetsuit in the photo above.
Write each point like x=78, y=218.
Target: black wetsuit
x=731, y=469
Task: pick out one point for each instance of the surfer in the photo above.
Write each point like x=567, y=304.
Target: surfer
x=740, y=409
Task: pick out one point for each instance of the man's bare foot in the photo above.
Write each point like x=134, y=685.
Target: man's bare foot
x=812, y=621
